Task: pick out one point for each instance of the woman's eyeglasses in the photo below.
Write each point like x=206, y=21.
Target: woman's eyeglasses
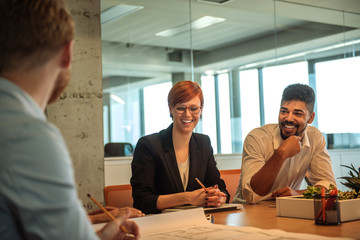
x=192, y=109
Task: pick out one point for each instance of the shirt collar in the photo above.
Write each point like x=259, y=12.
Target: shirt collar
x=27, y=103
x=278, y=140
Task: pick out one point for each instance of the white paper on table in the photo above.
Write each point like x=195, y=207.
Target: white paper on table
x=192, y=224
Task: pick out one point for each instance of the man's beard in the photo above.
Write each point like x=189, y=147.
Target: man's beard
x=61, y=83
x=297, y=133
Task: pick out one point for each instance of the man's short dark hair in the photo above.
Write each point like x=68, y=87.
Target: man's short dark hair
x=301, y=92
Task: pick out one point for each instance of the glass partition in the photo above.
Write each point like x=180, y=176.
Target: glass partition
x=243, y=53
x=141, y=60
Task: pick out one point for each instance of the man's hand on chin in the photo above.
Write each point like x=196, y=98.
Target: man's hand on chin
x=286, y=191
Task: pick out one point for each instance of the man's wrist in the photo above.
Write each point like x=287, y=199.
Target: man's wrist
x=280, y=154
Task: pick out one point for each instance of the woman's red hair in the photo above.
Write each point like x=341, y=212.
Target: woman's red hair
x=185, y=91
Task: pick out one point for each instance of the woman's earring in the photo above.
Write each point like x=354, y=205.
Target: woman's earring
x=200, y=116
x=171, y=116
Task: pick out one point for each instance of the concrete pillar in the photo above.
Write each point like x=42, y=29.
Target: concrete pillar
x=78, y=113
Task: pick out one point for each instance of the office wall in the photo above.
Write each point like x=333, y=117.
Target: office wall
x=78, y=112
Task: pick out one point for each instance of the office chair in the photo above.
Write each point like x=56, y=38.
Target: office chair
x=118, y=149
x=231, y=179
x=118, y=195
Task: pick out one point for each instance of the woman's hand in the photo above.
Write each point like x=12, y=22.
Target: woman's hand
x=197, y=197
x=214, y=197
x=98, y=216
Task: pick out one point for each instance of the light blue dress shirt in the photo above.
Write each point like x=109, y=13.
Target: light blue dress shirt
x=38, y=197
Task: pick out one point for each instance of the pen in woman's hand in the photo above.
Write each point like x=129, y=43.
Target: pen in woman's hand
x=200, y=183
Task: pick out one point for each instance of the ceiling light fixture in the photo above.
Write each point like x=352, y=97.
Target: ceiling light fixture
x=295, y=55
x=117, y=99
x=215, y=1
x=118, y=11
x=209, y=72
x=200, y=23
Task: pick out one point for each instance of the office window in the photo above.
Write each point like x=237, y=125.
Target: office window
x=156, y=110
x=275, y=79
x=208, y=121
x=106, y=123
x=224, y=113
x=216, y=121
x=123, y=116
x=338, y=84
x=250, y=105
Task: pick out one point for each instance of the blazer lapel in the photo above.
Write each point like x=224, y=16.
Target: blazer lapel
x=170, y=159
x=195, y=164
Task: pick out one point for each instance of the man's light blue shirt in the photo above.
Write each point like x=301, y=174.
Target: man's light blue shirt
x=38, y=197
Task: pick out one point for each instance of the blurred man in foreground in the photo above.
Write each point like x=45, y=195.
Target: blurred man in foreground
x=38, y=198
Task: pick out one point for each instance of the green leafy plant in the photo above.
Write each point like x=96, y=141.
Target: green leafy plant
x=343, y=195
x=353, y=180
x=311, y=191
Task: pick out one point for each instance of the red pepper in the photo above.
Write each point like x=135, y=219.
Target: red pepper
x=331, y=200
x=323, y=203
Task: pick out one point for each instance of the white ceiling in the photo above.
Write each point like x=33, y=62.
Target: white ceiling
x=253, y=30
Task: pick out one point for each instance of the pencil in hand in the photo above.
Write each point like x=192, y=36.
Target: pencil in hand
x=106, y=211
x=200, y=183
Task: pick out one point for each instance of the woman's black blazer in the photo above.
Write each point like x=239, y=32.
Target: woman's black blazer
x=155, y=171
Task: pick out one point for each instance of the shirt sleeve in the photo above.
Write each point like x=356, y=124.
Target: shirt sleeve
x=39, y=185
x=320, y=171
x=253, y=159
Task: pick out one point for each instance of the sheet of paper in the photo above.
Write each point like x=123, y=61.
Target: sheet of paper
x=192, y=224
x=98, y=226
x=171, y=221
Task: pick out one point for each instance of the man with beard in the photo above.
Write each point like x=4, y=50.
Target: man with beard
x=276, y=157
x=38, y=198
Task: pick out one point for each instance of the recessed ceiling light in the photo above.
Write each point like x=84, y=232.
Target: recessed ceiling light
x=200, y=23
x=215, y=1
x=118, y=11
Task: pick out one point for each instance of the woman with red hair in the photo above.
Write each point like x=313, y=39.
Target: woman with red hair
x=165, y=164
